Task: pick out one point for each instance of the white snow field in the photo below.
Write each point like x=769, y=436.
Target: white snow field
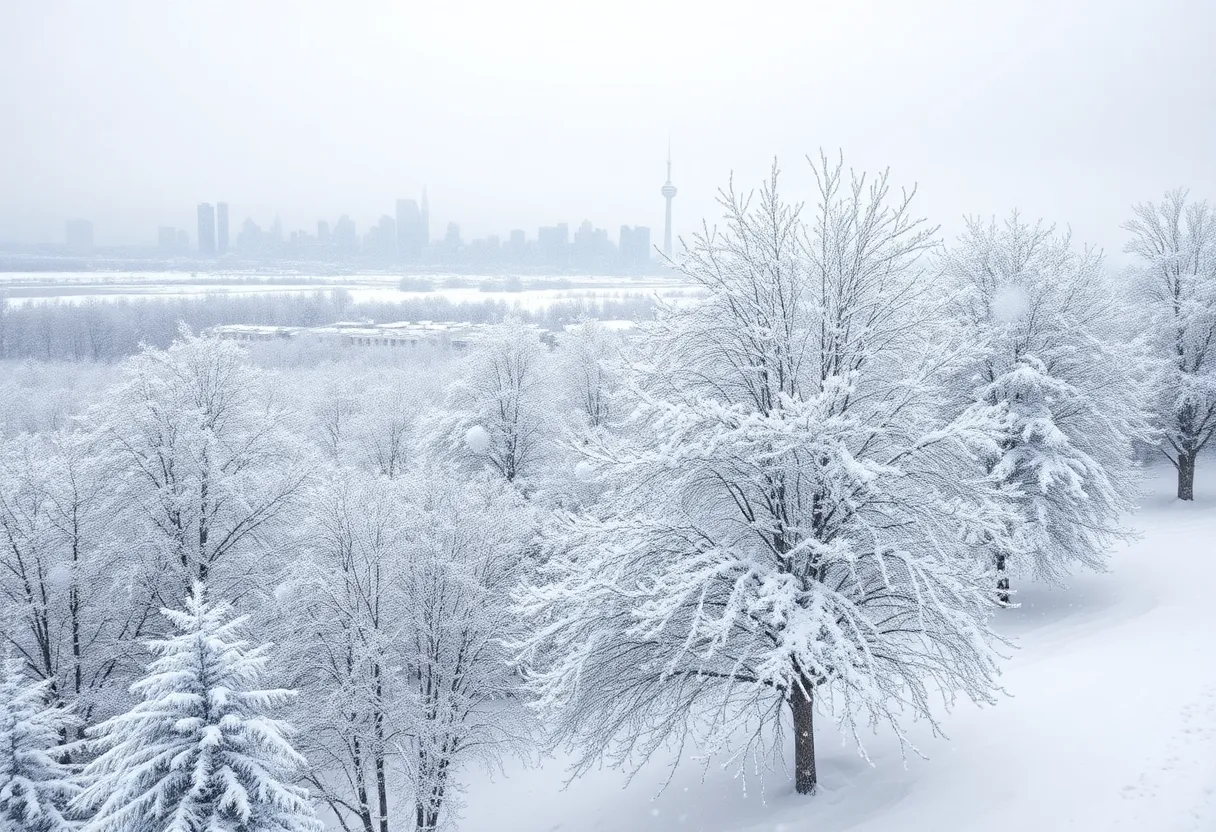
x=1109, y=724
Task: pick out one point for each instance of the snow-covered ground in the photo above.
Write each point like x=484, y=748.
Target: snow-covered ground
x=1109, y=724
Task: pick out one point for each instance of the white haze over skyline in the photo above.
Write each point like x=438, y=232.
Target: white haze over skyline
x=520, y=114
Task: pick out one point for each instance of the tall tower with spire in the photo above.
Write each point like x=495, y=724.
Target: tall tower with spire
x=669, y=193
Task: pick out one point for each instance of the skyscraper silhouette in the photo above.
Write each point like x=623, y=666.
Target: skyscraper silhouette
x=669, y=193
x=221, y=226
x=206, y=229
x=411, y=229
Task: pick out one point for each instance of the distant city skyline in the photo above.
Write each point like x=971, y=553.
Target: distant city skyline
x=402, y=239
x=518, y=115
x=210, y=224
x=410, y=220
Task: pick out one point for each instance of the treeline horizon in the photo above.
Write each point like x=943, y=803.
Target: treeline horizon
x=111, y=329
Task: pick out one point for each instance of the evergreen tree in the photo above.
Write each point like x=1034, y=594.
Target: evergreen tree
x=199, y=752
x=35, y=787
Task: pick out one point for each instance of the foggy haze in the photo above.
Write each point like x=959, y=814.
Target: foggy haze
x=373, y=458
x=521, y=114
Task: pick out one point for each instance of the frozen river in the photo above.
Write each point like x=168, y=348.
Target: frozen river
x=538, y=292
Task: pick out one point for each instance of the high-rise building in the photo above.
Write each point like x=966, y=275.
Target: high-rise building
x=251, y=238
x=634, y=247
x=451, y=241
x=487, y=252
x=381, y=240
x=344, y=235
x=323, y=231
x=221, y=226
x=641, y=245
x=166, y=238
x=591, y=249
x=410, y=236
x=553, y=244
x=206, y=229
x=78, y=235
x=517, y=246
x=183, y=240
x=669, y=193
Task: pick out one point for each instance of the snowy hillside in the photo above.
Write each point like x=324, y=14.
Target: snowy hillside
x=1110, y=724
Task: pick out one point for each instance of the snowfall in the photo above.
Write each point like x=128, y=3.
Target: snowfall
x=1108, y=723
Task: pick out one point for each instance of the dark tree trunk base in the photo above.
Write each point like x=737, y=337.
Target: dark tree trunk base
x=803, y=707
x=426, y=818
x=1186, y=476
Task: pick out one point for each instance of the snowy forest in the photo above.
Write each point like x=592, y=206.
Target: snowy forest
x=254, y=588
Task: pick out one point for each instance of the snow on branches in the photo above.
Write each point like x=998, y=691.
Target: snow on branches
x=207, y=463
x=35, y=786
x=402, y=608
x=1050, y=361
x=200, y=750
x=1175, y=243
x=498, y=412
x=788, y=519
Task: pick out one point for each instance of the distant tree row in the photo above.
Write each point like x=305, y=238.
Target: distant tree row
x=108, y=330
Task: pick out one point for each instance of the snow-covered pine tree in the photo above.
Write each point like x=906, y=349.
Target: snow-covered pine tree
x=788, y=520
x=200, y=751
x=35, y=786
x=1051, y=361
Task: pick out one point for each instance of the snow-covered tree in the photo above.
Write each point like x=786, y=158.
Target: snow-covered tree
x=209, y=467
x=69, y=615
x=788, y=521
x=45, y=396
x=35, y=786
x=587, y=359
x=386, y=428
x=366, y=415
x=201, y=750
x=498, y=410
x=401, y=607
x=1053, y=362
x=467, y=544
x=343, y=614
x=335, y=394
x=1175, y=241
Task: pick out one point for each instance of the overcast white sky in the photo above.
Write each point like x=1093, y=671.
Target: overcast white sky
x=517, y=114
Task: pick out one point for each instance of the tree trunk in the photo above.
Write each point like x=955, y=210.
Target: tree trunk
x=802, y=704
x=1002, y=580
x=381, y=773
x=426, y=819
x=1186, y=476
